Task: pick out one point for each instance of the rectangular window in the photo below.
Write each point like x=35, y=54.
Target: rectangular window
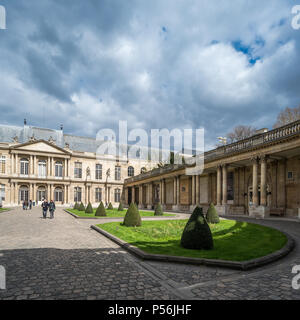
x=117, y=195
x=2, y=164
x=2, y=192
x=98, y=171
x=78, y=170
x=98, y=195
x=230, y=186
x=117, y=173
x=24, y=167
x=77, y=194
x=58, y=170
x=290, y=175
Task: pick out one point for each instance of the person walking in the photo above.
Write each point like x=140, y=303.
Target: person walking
x=51, y=209
x=45, y=206
x=30, y=204
x=24, y=205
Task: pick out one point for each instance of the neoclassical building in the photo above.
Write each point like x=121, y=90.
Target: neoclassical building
x=257, y=176
x=38, y=163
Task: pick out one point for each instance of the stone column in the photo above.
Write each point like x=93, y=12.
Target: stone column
x=12, y=190
x=197, y=190
x=132, y=194
x=224, y=199
x=263, y=182
x=31, y=165
x=17, y=164
x=178, y=191
x=34, y=170
x=150, y=191
x=68, y=194
x=30, y=190
x=193, y=190
x=16, y=193
x=141, y=196
x=65, y=194
x=174, y=191
x=255, y=182
x=219, y=183
x=33, y=192
x=48, y=167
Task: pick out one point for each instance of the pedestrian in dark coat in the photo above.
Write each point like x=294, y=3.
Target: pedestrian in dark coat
x=45, y=206
x=51, y=209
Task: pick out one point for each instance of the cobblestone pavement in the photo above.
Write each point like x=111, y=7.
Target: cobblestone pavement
x=64, y=259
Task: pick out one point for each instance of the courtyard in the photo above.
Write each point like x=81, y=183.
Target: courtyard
x=64, y=258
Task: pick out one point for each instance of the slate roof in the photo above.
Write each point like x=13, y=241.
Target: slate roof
x=83, y=144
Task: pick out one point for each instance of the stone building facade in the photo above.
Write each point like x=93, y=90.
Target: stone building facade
x=257, y=176
x=37, y=163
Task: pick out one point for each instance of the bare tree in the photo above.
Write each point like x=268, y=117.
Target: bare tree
x=239, y=133
x=286, y=116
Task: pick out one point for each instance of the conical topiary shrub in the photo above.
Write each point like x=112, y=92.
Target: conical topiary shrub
x=197, y=234
x=110, y=206
x=100, y=212
x=120, y=207
x=76, y=206
x=81, y=207
x=158, y=210
x=212, y=214
x=89, y=208
x=132, y=217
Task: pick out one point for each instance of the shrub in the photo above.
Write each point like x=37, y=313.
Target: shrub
x=81, y=207
x=100, y=212
x=158, y=210
x=120, y=207
x=212, y=214
x=197, y=234
x=89, y=208
x=76, y=206
x=132, y=217
x=110, y=207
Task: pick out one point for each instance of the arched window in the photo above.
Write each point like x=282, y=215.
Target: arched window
x=77, y=194
x=98, y=195
x=41, y=193
x=24, y=193
x=58, y=194
x=143, y=170
x=117, y=195
x=42, y=168
x=130, y=171
x=24, y=166
x=58, y=169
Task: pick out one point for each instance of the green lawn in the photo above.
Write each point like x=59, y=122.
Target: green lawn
x=115, y=213
x=4, y=209
x=233, y=240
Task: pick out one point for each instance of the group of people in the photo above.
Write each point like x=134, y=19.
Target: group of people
x=27, y=205
x=48, y=205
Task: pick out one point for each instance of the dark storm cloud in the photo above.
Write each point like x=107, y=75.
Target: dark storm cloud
x=157, y=64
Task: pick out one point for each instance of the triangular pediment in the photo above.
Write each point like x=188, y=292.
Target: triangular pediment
x=40, y=146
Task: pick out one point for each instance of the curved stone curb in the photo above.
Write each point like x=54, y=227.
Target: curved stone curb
x=157, y=217
x=243, y=265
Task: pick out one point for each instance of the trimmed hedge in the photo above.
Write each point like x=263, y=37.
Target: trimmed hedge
x=197, y=234
x=110, y=206
x=89, y=208
x=81, y=207
x=158, y=210
x=132, y=217
x=120, y=208
x=100, y=212
x=212, y=214
x=76, y=206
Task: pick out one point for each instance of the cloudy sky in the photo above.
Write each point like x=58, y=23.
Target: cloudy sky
x=157, y=64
